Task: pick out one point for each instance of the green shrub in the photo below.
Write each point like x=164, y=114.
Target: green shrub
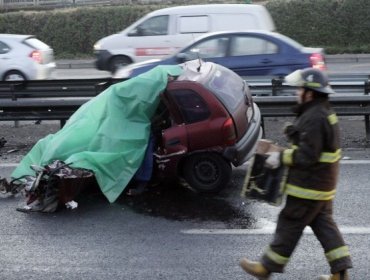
x=337, y=25
x=73, y=31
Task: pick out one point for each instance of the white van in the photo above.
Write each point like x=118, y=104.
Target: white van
x=162, y=32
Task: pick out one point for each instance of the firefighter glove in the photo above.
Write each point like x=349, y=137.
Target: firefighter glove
x=290, y=131
x=273, y=160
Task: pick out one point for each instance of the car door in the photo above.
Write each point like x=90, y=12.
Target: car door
x=243, y=53
x=254, y=55
x=213, y=49
x=201, y=115
x=4, y=58
x=174, y=140
x=152, y=38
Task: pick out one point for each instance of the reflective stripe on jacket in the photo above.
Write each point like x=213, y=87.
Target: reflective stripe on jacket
x=313, y=158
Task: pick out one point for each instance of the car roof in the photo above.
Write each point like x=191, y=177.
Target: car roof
x=272, y=34
x=196, y=70
x=209, y=8
x=249, y=32
x=18, y=37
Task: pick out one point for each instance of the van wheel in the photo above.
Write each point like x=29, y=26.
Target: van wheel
x=207, y=172
x=117, y=62
x=14, y=75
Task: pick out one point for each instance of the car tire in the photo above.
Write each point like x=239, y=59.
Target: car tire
x=117, y=62
x=207, y=172
x=14, y=75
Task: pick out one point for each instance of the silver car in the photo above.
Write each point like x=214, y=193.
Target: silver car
x=24, y=57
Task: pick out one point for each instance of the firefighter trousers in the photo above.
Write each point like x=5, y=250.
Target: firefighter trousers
x=293, y=218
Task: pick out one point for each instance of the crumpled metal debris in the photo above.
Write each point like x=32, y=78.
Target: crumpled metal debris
x=5, y=189
x=53, y=185
x=2, y=142
x=71, y=204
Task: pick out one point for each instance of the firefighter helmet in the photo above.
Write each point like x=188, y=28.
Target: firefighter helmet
x=310, y=78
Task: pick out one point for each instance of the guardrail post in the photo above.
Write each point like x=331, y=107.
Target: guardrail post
x=367, y=87
x=14, y=98
x=276, y=86
x=263, y=126
x=367, y=119
x=62, y=123
x=12, y=90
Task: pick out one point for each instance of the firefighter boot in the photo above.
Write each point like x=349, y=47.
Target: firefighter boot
x=343, y=275
x=255, y=268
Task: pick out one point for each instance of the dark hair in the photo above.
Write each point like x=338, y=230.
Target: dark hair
x=320, y=95
x=317, y=95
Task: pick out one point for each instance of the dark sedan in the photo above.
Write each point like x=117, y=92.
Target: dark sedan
x=250, y=53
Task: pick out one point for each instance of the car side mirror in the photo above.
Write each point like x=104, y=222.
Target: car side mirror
x=138, y=31
x=182, y=57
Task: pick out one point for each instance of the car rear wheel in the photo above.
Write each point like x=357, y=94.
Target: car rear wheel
x=117, y=62
x=14, y=75
x=207, y=172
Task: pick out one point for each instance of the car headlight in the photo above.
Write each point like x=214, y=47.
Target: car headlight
x=122, y=73
x=97, y=47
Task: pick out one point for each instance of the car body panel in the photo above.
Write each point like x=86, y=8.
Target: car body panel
x=249, y=53
x=199, y=114
x=16, y=53
x=173, y=148
x=245, y=147
x=199, y=111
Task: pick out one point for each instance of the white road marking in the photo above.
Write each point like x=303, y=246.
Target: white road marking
x=355, y=161
x=9, y=164
x=343, y=161
x=269, y=230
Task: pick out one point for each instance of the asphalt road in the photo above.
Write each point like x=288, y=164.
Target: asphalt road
x=171, y=233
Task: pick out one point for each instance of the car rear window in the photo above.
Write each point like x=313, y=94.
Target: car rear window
x=36, y=44
x=228, y=87
x=289, y=41
x=4, y=48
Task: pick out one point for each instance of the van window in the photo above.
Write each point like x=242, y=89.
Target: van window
x=193, y=24
x=223, y=22
x=246, y=45
x=154, y=26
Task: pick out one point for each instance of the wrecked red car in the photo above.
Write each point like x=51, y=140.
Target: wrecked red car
x=213, y=124
x=200, y=118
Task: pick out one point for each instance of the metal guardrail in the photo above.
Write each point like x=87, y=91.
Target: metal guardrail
x=280, y=106
x=352, y=99
x=59, y=99
x=15, y=90
x=47, y=99
x=343, y=84
x=53, y=3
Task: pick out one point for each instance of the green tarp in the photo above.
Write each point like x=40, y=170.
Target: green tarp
x=108, y=134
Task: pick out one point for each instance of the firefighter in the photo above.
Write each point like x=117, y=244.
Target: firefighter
x=313, y=161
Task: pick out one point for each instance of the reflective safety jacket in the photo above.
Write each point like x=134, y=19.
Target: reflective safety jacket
x=313, y=158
